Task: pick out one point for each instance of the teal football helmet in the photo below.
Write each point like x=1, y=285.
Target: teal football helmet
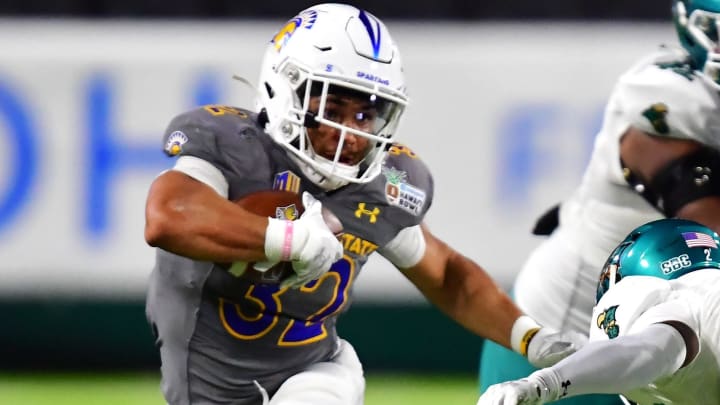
x=666, y=248
x=697, y=23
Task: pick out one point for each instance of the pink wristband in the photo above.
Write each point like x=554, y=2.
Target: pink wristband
x=287, y=241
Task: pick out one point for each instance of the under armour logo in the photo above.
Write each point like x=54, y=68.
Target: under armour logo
x=565, y=385
x=361, y=210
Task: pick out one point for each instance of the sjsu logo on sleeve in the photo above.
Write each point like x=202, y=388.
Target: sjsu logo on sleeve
x=174, y=143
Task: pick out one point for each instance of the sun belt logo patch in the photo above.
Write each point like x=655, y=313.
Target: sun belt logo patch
x=287, y=181
x=606, y=322
x=174, y=143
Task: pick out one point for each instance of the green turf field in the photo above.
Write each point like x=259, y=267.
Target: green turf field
x=142, y=389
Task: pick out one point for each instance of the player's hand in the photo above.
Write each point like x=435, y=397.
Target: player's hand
x=321, y=248
x=307, y=242
x=548, y=347
x=518, y=392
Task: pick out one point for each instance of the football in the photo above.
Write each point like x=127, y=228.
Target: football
x=281, y=205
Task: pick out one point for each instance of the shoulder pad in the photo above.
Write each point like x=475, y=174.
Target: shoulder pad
x=229, y=138
x=621, y=306
x=409, y=183
x=209, y=120
x=669, y=99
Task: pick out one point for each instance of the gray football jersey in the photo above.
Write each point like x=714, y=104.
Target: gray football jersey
x=217, y=332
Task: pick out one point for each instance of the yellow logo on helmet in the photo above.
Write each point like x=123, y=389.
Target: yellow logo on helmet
x=305, y=20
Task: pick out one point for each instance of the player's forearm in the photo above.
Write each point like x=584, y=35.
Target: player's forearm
x=203, y=226
x=704, y=210
x=618, y=365
x=475, y=301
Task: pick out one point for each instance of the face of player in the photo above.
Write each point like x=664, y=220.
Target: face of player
x=347, y=111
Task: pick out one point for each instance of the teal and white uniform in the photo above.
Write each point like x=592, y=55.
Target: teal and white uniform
x=660, y=95
x=694, y=300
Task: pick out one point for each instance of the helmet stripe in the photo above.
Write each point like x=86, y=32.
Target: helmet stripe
x=375, y=41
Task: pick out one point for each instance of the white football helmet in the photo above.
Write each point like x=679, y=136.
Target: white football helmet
x=326, y=49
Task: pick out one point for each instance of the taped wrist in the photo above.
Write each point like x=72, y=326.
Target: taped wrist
x=283, y=239
x=523, y=330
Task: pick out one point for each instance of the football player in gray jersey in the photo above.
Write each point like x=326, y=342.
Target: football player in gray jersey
x=331, y=95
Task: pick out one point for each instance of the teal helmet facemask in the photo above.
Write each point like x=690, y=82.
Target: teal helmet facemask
x=697, y=23
x=666, y=248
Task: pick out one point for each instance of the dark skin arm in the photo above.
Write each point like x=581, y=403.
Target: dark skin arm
x=463, y=291
x=188, y=218
x=645, y=155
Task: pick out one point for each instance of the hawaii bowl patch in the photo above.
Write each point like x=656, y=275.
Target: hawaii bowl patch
x=402, y=194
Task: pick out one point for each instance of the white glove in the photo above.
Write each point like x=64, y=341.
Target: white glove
x=528, y=391
x=307, y=242
x=543, y=347
x=548, y=347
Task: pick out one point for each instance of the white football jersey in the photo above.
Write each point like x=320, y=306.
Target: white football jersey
x=659, y=95
x=693, y=299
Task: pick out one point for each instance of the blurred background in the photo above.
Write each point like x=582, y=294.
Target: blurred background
x=505, y=100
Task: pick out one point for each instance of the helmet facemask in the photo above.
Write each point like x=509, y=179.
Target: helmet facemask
x=699, y=34
x=316, y=100
x=610, y=274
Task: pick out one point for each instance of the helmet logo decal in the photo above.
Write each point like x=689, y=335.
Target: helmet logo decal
x=656, y=115
x=305, y=20
x=607, y=322
x=373, y=78
x=374, y=40
x=675, y=263
x=699, y=239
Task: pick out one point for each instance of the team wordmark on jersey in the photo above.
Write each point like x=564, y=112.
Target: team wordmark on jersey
x=287, y=181
x=606, y=322
x=371, y=214
x=656, y=115
x=357, y=245
x=402, y=194
x=174, y=143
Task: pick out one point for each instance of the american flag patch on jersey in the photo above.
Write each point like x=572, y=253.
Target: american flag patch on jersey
x=699, y=239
